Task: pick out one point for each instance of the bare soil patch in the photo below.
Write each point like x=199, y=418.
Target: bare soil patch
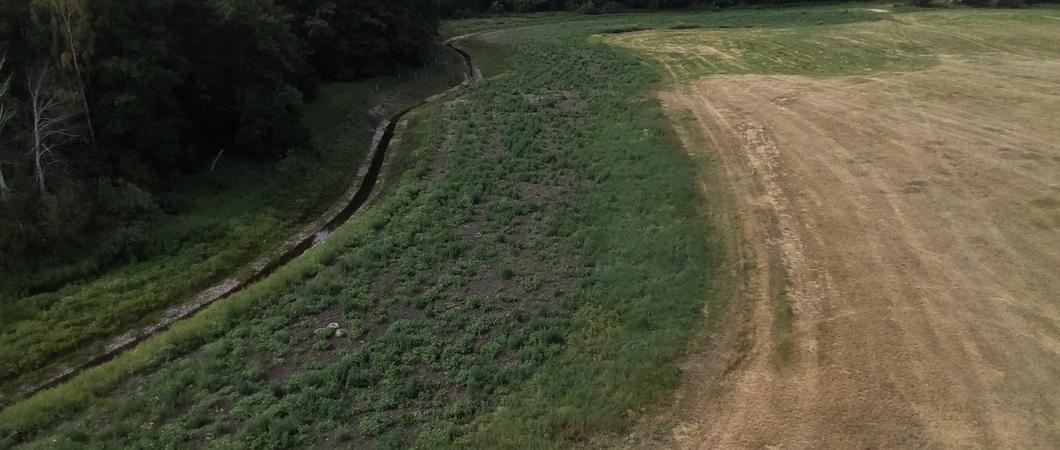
x=901, y=234
x=305, y=354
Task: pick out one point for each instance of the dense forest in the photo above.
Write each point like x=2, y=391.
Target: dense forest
x=104, y=103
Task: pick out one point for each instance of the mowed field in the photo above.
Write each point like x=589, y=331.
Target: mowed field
x=896, y=235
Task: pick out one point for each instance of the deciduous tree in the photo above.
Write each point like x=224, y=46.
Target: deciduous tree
x=51, y=124
x=356, y=38
x=7, y=111
x=74, y=38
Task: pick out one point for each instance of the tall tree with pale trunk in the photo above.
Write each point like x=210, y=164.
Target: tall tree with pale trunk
x=7, y=111
x=74, y=38
x=51, y=125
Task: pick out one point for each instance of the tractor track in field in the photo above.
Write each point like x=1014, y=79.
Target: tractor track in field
x=361, y=190
x=899, y=246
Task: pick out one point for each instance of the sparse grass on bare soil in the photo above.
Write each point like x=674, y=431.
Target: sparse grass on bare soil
x=880, y=42
x=911, y=217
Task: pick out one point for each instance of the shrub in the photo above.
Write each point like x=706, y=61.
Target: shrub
x=127, y=212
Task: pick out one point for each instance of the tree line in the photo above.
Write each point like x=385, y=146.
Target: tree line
x=104, y=101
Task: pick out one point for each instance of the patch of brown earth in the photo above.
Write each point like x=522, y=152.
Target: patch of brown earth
x=566, y=102
x=304, y=354
x=474, y=229
x=526, y=227
x=919, y=265
x=533, y=192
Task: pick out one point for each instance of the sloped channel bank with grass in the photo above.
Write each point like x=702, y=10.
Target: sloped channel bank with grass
x=212, y=228
x=360, y=191
x=530, y=281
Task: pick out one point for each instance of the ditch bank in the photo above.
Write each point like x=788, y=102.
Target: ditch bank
x=361, y=190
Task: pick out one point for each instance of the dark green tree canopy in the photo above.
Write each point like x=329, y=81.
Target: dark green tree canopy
x=355, y=38
x=154, y=89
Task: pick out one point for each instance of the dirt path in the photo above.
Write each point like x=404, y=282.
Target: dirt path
x=901, y=235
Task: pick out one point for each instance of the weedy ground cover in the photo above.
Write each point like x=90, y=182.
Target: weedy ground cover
x=217, y=223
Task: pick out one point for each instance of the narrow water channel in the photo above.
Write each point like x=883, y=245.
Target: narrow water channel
x=293, y=249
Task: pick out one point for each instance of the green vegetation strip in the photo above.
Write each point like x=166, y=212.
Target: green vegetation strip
x=217, y=223
x=544, y=251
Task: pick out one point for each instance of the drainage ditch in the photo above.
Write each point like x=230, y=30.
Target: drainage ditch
x=357, y=196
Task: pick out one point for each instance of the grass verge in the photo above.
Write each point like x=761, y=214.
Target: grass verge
x=216, y=224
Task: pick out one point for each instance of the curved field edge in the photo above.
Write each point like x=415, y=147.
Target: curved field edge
x=837, y=40
x=917, y=44
x=582, y=154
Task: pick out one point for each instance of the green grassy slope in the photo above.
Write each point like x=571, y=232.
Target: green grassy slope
x=557, y=238
x=217, y=223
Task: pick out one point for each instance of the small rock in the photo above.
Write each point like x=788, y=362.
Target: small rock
x=333, y=326
x=340, y=333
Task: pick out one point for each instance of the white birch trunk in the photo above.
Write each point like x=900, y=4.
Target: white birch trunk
x=51, y=126
x=67, y=18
